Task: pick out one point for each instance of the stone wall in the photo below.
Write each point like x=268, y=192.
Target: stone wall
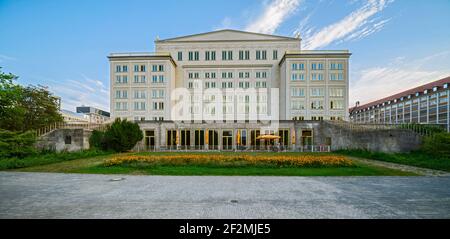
x=65, y=140
x=324, y=133
x=381, y=140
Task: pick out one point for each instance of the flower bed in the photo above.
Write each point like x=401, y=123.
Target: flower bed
x=231, y=160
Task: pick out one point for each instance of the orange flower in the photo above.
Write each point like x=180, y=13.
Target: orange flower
x=230, y=159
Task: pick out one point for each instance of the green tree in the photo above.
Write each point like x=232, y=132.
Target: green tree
x=10, y=99
x=120, y=136
x=26, y=108
x=16, y=144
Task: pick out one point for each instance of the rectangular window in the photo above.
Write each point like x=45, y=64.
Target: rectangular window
x=317, y=92
x=317, y=104
x=247, y=55
x=196, y=56
x=336, y=92
x=275, y=55
x=241, y=55
x=213, y=55
x=190, y=56
x=230, y=55
x=180, y=55
x=258, y=55
x=264, y=55
x=298, y=105
x=161, y=68
x=337, y=104
x=297, y=92
x=154, y=68
x=207, y=56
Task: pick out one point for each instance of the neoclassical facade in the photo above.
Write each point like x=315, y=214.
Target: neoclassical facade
x=227, y=78
x=307, y=85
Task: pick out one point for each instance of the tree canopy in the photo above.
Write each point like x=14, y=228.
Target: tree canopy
x=26, y=108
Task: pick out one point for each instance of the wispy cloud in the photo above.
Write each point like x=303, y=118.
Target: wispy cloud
x=381, y=81
x=273, y=15
x=225, y=24
x=7, y=58
x=80, y=91
x=358, y=24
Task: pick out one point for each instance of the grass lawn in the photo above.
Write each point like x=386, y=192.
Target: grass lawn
x=96, y=165
x=418, y=159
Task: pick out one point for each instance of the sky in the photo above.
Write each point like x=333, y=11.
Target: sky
x=395, y=44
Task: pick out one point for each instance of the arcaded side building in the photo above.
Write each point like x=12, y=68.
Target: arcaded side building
x=426, y=104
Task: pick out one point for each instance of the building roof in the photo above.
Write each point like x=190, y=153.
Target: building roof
x=419, y=89
x=141, y=56
x=315, y=53
x=227, y=35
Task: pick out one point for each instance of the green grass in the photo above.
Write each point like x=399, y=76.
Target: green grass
x=94, y=165
x=417, y=158
x=47, y=158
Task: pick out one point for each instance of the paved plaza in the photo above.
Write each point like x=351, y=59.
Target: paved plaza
x=57, y=195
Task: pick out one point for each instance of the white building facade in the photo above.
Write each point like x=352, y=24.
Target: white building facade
x=229, y=76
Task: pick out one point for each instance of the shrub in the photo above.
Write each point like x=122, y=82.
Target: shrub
x=97, y=139
x=16, y=144
x=437, y=145
x=120, y=136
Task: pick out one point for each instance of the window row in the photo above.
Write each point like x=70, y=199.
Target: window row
x=317, y=76
x=121, y=79
x=317, y=105
x=139, y=94
x=227, y=55
x=228, y=109
x=226, y=85
x=333, y=92
x=139, y=106
x=229, y=98
x=140, y=68
x=316, y=66
x=228, y=75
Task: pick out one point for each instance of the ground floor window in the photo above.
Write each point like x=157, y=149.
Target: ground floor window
x=284, y=137
x=185, y=139
x=307, y=137
x=227, y=140
x=149, y=139
x=254, y=142
x=212, y=139
x=171, y=139
x=199, y=139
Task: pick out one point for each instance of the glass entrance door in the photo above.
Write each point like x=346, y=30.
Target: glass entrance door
x=255, y=143
x=227, y=140
x=199, y=141
x=149, y=140
x=213, y=139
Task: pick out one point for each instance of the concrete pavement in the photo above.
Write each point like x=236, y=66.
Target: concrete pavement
x=57, y=195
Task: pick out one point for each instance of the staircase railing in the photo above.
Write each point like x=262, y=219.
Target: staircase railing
x=50, y=128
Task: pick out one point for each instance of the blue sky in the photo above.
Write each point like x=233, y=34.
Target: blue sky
x=396, y=44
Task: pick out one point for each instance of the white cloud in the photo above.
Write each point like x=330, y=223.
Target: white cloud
x=378, y=82
x=358, y=24
x=273, y=15
x=225, y=24
x=6, y=58
x=81, y=91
